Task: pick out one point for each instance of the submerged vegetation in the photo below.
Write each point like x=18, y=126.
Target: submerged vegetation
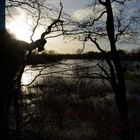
x=67, y=109
x=71, y=109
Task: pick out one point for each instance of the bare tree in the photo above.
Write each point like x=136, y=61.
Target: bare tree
x=17, y=52
x=105, y=24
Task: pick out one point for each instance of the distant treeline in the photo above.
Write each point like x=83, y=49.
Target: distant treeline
x=47, y=58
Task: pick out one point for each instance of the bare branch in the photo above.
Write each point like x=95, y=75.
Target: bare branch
x=53, y=36
x=101, y=2
x=98, y=17
x=106, y=73
x=120, y=2
x=48, y=30
x=37, y=23
x=121, y=32
x=61, y=5
x=97, y=45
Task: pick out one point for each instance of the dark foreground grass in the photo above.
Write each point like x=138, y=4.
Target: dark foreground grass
x=69, y=109
x=132, y=76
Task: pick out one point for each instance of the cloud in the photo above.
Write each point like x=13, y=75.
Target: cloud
x=83, y=13
x=88, y=12
x=63, y=46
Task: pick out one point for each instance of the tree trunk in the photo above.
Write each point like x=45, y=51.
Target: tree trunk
x=4, y=131
x=118, y=83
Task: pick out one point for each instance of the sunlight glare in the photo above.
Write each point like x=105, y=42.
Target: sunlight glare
x=26, y=78
x=20, y=28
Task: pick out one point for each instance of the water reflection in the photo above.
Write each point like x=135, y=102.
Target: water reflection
x=26, y=78
x=67, y=69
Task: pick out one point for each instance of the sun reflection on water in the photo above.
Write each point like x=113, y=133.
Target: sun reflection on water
x=26, y=78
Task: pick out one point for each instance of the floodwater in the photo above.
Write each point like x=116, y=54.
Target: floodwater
x=65, y=68
x=74, y=68
x=71, y=68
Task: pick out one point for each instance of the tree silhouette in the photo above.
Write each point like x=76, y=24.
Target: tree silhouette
x=111, y=27
x=4, y=132
x=118, y=87
x=15, y=57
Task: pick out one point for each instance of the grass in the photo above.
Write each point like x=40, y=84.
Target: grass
x=131, y=76
x=79, y=108
x=69, y=109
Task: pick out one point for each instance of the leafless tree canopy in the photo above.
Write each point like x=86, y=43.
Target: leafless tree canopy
x=42, y=14
x=125, y=25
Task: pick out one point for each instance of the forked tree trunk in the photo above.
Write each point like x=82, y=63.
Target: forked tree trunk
x=118, y=82
x=120, y=90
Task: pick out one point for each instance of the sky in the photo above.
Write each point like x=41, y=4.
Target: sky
x=76, y=8
x=2, y=17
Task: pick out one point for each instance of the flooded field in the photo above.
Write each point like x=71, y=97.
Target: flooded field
x=68, y=100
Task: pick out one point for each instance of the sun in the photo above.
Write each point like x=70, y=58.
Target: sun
x=20, y=28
